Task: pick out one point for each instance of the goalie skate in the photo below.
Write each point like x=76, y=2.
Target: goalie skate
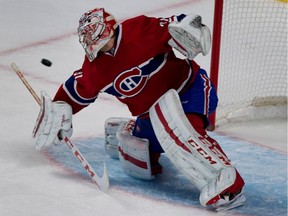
x=229, y=201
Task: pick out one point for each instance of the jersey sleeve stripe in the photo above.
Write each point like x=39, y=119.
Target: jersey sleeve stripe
x=70, y=87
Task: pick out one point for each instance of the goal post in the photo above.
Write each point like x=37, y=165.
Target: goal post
x=249, y=59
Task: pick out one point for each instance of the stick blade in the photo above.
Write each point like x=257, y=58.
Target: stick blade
x=103, y=182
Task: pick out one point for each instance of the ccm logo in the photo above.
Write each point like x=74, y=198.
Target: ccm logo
x=205, y=154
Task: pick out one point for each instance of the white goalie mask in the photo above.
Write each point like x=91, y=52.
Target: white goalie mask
x=96, y=28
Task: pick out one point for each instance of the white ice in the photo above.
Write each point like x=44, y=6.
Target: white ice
x=30, y=184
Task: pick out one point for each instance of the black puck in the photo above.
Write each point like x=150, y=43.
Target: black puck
x=46, y=62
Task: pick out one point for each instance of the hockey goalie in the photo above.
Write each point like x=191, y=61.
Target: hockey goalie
x=170, y=99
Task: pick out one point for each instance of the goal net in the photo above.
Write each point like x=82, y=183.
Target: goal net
x=249, y=59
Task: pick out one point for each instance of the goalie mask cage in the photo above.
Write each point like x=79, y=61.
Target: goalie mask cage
x=249, y=59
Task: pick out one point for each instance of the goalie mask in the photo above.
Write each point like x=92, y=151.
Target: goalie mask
x=96, y=28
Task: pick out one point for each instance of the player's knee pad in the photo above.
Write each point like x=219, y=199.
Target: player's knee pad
x=111, y=142
x=194, y=155
x=133, y=152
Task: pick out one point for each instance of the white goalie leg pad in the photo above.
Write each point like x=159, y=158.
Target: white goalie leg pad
x=111, y=142
x=53, y=117
x=134, y=152
x=194, y=155
x=190, y=37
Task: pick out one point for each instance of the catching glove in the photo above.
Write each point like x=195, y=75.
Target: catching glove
x=190, y=37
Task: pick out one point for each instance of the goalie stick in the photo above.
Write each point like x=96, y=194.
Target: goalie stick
x=102, y=182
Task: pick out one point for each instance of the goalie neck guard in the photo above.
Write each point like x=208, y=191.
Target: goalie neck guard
x=96, y=28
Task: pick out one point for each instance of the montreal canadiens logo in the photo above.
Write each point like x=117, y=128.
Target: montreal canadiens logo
x=130, y=82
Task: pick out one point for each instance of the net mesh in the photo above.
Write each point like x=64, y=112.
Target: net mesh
x=253, y=56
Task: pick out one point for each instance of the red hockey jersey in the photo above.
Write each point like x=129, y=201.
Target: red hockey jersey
x=142, y=67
